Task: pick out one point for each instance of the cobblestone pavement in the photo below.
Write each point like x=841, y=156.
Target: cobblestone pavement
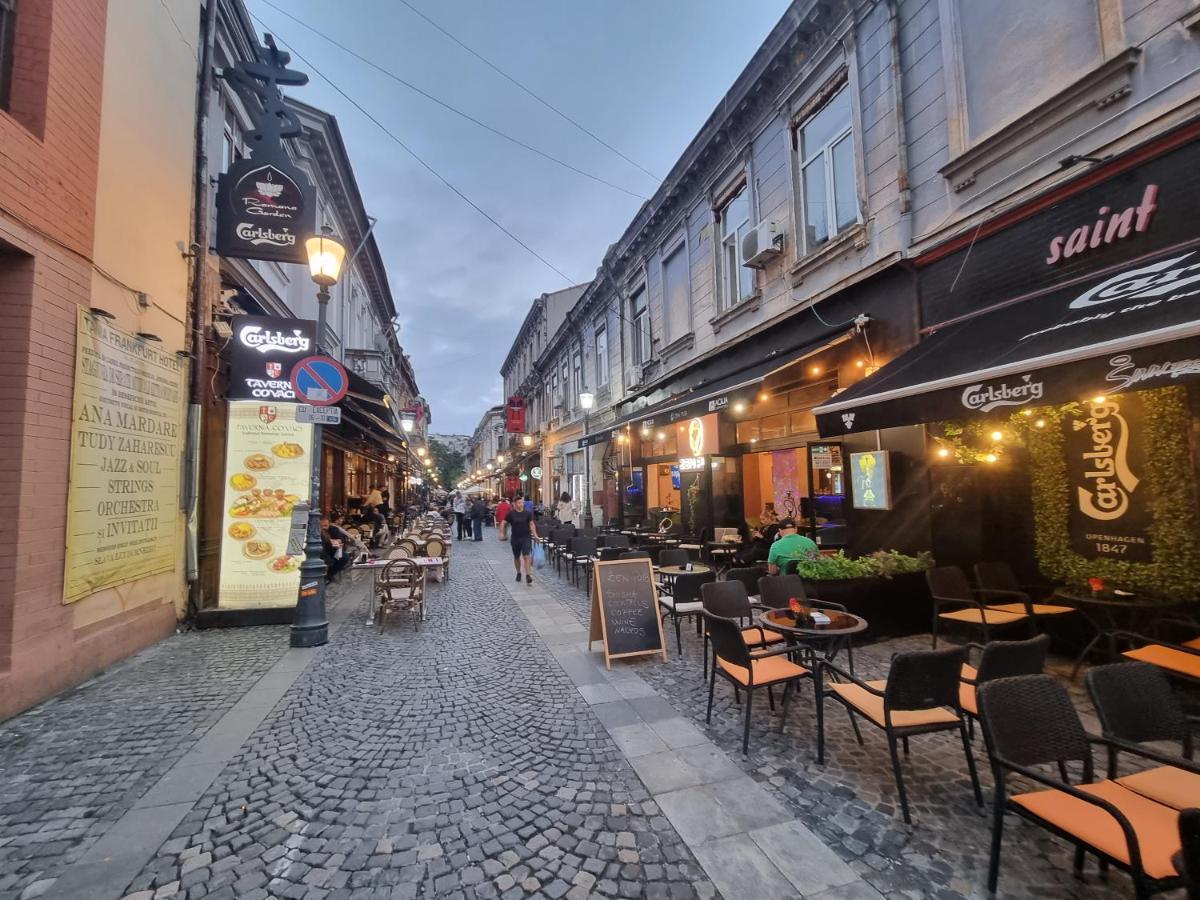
x=458, y=761
x=851, y=802
x=72, y=766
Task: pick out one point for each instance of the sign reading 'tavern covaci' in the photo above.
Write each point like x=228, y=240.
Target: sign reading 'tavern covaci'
x=1110, y=502
x=262, y=353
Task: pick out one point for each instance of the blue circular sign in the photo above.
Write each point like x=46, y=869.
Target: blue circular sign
x=319, y=380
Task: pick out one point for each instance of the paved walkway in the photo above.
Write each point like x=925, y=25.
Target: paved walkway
x=487, y=755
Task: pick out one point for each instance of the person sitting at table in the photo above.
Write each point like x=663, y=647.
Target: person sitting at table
x=349, y=539
x=789, y=546
x=769, y=516
x=333, y=551
x=373, y=518
x=755, y=550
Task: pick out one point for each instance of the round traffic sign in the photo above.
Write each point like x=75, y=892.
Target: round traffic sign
x=319, y=380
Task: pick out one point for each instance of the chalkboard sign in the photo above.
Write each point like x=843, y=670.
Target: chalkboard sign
x=625, y=613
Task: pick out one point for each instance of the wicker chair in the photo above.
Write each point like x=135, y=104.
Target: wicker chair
x=1029, y=721
x=401, y=589
x=1001, y=659
x=1181, y=661
x=777, y=591
x=920, y=696
x=1135, y=704
x=748, y=575
x=998, y=578
x=729, y=600
x=1188, y=861
x=955, y=602
x=749, y=670
x=613, y=540
x=579, y=555
x=634, y=554
x=671, y=556
x=684, y=600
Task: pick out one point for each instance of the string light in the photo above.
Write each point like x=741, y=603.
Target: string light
x=1098, y=399
x=814, y=370
x=764, y=396
x=943, y=452
x=997, y=435
x=860, y=364
x=991, y=457
x=1040, y=423
x=739, y=407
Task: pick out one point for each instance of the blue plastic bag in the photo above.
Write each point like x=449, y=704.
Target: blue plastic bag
x=539, y=557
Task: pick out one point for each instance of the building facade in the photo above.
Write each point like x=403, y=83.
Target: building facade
x=486, y=449
x=821, y=224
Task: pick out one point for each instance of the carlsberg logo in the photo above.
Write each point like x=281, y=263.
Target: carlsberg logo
x=259, y=234
x=983, y=398
x=258, y=338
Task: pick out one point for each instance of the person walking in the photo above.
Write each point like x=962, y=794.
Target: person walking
x=567, y=511
x=503, y=508
x=478, y=511
x=460, y=512
x=521, y=533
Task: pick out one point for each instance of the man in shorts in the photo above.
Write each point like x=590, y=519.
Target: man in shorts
x=521, y=532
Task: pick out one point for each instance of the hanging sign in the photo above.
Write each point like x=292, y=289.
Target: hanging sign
x=319, y=380
x=516, y=415
x=1110, y=504
x=536, y=472
x=624, y=614
x=262, y=352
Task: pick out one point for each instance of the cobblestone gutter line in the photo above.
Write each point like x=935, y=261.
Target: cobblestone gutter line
x=749, y=844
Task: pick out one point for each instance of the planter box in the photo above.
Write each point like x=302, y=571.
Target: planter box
x=892, y=606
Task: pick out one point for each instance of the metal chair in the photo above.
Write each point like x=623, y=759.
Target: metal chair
x=1029, y=721
x=955, y=601
x=920, y=696
x=749, y=670
x=684, y=600
x=401, y=588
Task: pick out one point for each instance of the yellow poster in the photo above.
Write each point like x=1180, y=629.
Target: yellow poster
x=127, y=442
x=267, y=465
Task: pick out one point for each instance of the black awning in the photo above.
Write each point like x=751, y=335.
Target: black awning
x=1138, y=328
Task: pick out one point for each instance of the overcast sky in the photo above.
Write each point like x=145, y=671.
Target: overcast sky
x=641, y=75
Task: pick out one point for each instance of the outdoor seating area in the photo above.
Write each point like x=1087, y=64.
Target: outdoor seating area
x=984, y=718
x=404, y=569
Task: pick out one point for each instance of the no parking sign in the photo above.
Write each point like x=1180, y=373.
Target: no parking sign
x=319, y=380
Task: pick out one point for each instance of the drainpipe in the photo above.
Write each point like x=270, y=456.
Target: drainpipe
x=199, y=304
x=901, y=129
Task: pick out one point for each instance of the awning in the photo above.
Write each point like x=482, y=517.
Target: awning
x=1138, y=328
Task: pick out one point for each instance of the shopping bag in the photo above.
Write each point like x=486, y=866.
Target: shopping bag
x=539, y=557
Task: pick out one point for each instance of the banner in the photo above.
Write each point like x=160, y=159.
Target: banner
x=267, y=466
x=1110, y=504
x=516, y=415
x=263, y=351
x=127, y=442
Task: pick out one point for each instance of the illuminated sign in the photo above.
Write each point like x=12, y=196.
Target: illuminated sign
x=691, y=464
x=696, y=436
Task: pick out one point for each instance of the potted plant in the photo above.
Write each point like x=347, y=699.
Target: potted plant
x=887, y=588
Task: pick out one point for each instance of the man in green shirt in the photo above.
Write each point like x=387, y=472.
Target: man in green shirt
x=789, y=546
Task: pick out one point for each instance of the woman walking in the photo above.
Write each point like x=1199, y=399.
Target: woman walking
x=567, y=511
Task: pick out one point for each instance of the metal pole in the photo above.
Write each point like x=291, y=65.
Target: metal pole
x=310, y=626
x=587, y=476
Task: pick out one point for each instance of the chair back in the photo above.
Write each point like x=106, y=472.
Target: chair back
x=1135, y=703
x=608, y=554
x=1029, y=720
x=789, y=566
x=1006, y=659
x=588, y=532
x=726, y=638
x=408, y=545
x=997, y=576
x=748, y=576
x=727, y=599
x=673, y=556
x=400, y=551
x=776, y=591
x=435, y=547
x=686, y=588
x=948, y=583
x=582, y=546
x=1189, y=839
x=924, y=679
x=614, y=540
x=560, y=536
x=634, y=554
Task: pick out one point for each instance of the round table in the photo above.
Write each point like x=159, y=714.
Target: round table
x=798, y=629
x=1107, y=612
x=673, y=571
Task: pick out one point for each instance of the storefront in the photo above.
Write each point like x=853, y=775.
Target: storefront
x=1056, y=383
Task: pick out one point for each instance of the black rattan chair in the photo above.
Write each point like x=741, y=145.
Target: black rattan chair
x=1135, y=704
x=1029, y=721
x=613, y=540
x=997, y=580
x=634, y=554
x=777, y=591
x=1188, y=861
x=684, y=600
x=920, y=696
x=579, y=555
x=955, y=602
x=673, y=556
x=729, y=600
x=748, y=575
x=749, y=670
x=1001, y=659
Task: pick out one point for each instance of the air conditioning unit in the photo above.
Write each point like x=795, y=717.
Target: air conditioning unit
x=761, y=245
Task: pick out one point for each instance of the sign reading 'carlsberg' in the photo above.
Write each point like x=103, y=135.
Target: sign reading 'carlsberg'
x=262, y=353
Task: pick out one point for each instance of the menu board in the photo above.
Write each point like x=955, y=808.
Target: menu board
x=127, y=437
x=625, y=613
x=267, y=466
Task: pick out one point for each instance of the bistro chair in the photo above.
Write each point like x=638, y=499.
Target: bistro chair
x=408, y=545
x=579, y=556
x=729, y=600
x=401, y=588
x=671, y=556
x=1029, y=721
x=778, y=592
x=919, y=696
x=1178, y=660
x=749, y=670
x=748, y=576
x=684, y=600
x=997, y=579
x=999, y=659
x=634, y=554
x=954, y=601
x=1135, y=704
x=613, y=540
x=559, y=541
x=607, y=554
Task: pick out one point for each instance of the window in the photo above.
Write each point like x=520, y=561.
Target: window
x=639, y=318
x=733, y=221
x=576, y=376
x=601, y=356
x=677, y=294
x=563, y=400
x=827, y=171
x=8, y=27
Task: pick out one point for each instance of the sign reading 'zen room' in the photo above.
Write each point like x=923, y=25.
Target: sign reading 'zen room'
x=625, y=610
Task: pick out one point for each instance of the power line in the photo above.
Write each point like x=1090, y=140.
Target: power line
x=458, y=112
x=546, y=103
x=434, y=172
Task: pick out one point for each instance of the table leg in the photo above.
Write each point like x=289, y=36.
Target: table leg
x=374, y=592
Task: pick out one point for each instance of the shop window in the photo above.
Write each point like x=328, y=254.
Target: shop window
x=748, y=431
x=803, y=422
x=733, y=221
x=827, y=171
x=772, y=427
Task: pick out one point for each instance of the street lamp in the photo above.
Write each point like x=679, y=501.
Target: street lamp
x=586, y=400
x=420, y=451
x=310, y=627
x=407, y=424
x=527, y=440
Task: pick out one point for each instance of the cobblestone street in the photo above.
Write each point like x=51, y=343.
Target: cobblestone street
x=485, y=755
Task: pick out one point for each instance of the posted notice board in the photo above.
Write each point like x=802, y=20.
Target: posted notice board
x=625, y=614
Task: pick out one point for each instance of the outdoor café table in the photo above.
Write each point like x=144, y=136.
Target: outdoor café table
x=801, y=629
x=374, y=566
x=1107, y=612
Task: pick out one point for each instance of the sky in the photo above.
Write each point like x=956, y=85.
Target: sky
x=643, y=76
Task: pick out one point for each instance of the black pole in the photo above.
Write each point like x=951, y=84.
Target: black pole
x=587, y=476
x=310, y=625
